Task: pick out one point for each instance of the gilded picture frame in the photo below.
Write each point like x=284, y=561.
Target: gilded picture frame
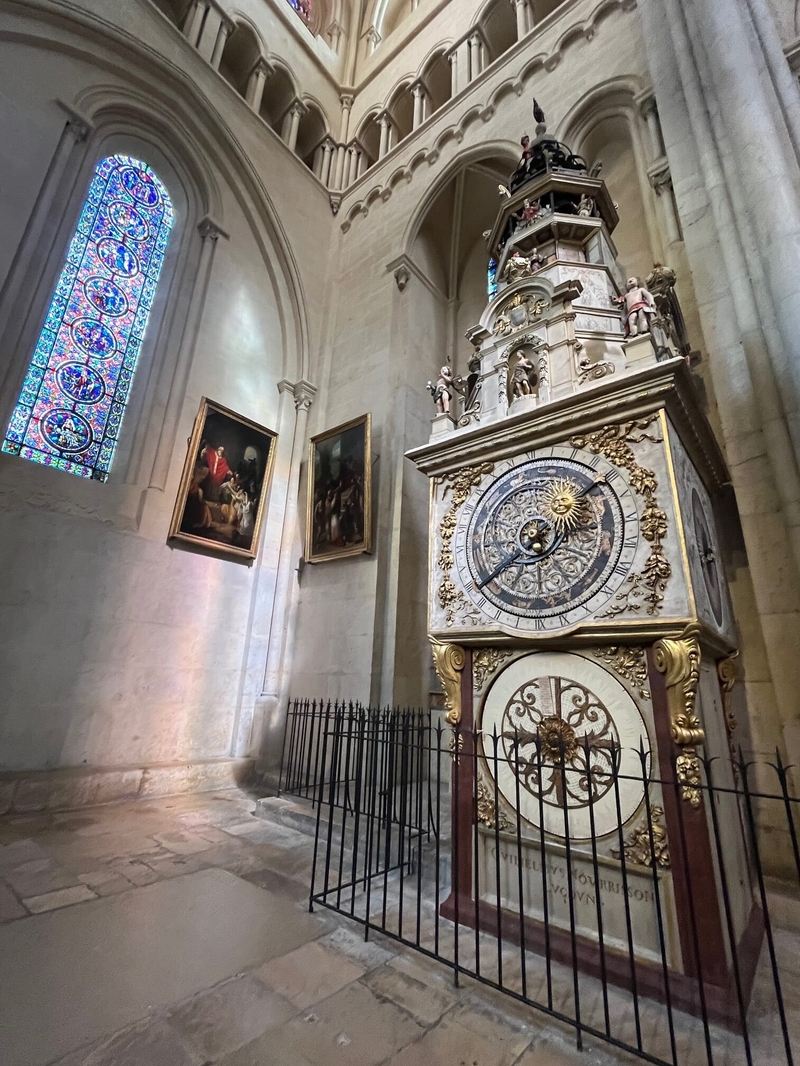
x=225, y=483
x=339, y=499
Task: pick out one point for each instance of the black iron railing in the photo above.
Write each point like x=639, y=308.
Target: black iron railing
x=642, y=919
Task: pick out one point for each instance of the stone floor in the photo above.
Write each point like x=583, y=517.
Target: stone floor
x=176, y=932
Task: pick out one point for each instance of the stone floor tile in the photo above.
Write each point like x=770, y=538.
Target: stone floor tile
x=182, y=842
x=351, y=1028
x=10, y=906
x=64, y=897
x=423, y=1002
x=210, y=833
x=349, y=941
x=233, y=856
x=451, y=1044
x=557, y=1052
x=39, y=876
x=177, y=865
x=498, y=1020
x=234, y=1013
x=148, y=1043
x=309, y=974
x=105, y=882
x=273, y=882
x=17, y=854
x=134, y=870
x=276, y=1047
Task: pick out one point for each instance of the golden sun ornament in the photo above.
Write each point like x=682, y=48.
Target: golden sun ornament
x=564, y=506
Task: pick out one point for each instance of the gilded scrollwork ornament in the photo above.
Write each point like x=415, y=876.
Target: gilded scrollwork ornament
x=629, y=663
x=646, y=587
x=485, y=662
x=679, y=661
x=728, y=673
x=488, y=814
x=449, y=661
x=459, y=484
x=648, y=845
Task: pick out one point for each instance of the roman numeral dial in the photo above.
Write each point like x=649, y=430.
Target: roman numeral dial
x=549, y=541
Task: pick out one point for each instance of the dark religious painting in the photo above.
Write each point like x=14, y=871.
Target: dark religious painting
x=338, y=519
x=225, y=482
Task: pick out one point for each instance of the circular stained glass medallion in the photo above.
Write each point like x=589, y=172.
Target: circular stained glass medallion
x=130, y=222
x=141, y=186
x=118, y=257
x=66, y=431
x=106, y=296
x=93, y=338
x=80, y=383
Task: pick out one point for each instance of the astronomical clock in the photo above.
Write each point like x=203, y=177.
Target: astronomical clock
x=578, y=609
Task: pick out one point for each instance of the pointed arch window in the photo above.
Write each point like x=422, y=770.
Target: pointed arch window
x=70, y=409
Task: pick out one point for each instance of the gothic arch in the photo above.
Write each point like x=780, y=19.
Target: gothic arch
x=243, y=48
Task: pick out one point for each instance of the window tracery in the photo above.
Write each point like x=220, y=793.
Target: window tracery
x=70, y=408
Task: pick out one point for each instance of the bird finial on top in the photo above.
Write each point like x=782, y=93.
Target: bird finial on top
x=541, y=121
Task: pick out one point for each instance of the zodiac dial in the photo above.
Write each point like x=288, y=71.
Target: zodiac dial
x=549, y=541
x=568, y=739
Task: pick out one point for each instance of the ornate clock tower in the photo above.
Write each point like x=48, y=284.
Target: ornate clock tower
x=578, y=610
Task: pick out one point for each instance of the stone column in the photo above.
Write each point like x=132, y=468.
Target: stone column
x=344, y=131
x=194, y=20
x=521, y=11
x=649, y=112
x=256, y=83
x=296, y=112
x=269, y=721
x=385, y=124
x=452, y=59
x=420, y=94
x=474, y=58
x=752, y=125
x=210, y=234
x=226, y=27
x=335, y=36
x=352, y=160
x=728, y=277
x=328, y=148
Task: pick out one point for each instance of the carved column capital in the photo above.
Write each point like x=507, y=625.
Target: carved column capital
x=679, y=661
x=302, y=392
x=209, y=229
x=78, y=125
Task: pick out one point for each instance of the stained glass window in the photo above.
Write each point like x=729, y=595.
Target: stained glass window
x=303, y=9
x=70, y=409
x=491, y=278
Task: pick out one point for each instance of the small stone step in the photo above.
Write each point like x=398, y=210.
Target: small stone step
x=294, y=814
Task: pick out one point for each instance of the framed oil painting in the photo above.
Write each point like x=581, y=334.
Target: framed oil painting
x=225, y=480
x=339, y=512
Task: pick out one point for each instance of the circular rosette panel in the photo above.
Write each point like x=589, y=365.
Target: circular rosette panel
x=568, y=741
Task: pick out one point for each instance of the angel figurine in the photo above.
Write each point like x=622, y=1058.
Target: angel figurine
x=442, y=391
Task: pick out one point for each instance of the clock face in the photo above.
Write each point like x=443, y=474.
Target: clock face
x=706, y=550
x=549, y=541
x=585, y=773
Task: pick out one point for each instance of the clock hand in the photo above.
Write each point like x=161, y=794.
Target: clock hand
x=498, y=570
x=600, y=481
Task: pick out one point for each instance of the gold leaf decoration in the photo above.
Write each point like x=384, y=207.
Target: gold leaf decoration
x=459, y=484
x=644, y=849
x=614, y=443
x=449, y=660
x=564, y=506
x=487, y=814
x=727, y=672
x=628, y=662
x=485, y=662
x=679, y=661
